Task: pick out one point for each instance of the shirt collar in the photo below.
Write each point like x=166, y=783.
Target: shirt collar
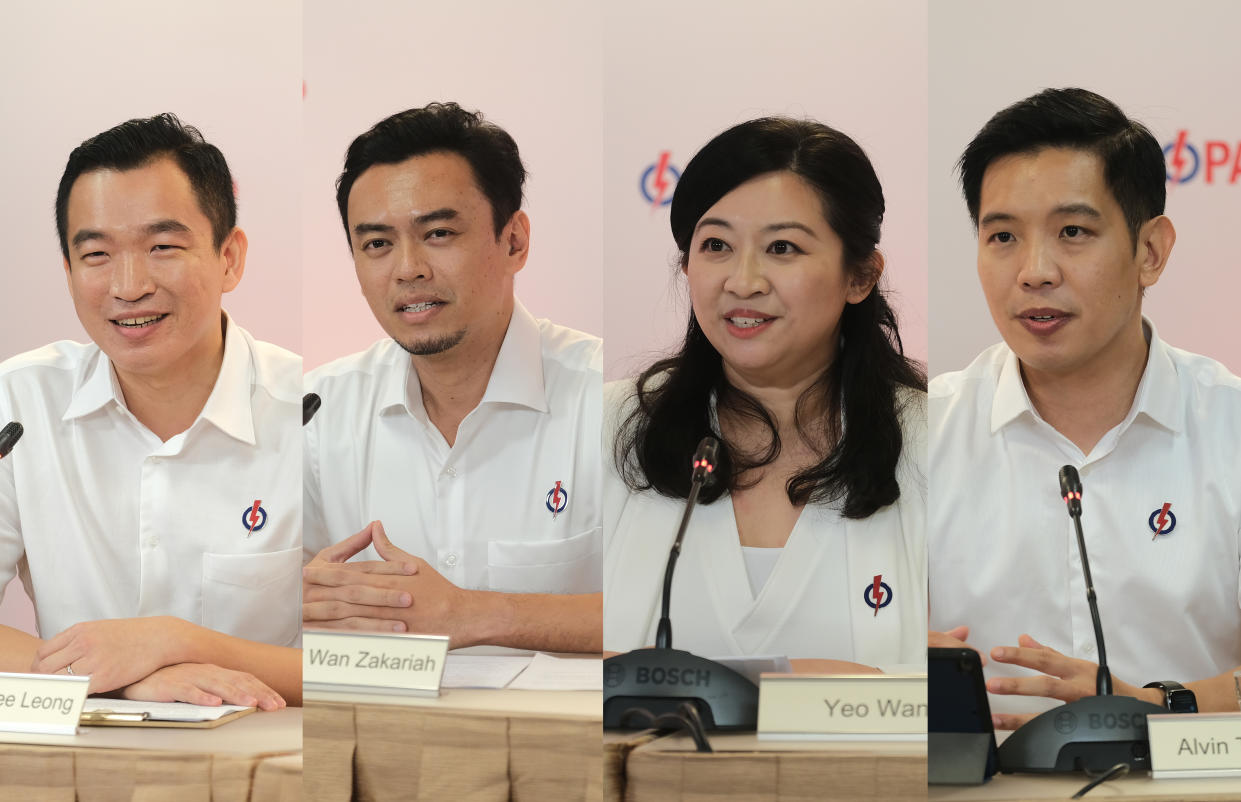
x=228, y=406
x=516, y=378
x=1157, y=396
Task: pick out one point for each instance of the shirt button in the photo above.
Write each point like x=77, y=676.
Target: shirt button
x=450, y=471
x=1088, y=648
x=450, y=559
x=152, y=542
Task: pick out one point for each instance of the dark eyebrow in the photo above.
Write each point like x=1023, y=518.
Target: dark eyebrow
x=712, y=221
x=436, y=216
x=85, y=234
x=1079, y=208
x=168, y=226
x=790, y=224
x=996, y=217
x=372, y=228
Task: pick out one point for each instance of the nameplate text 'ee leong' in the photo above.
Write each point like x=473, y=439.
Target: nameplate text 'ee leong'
x=42, y=703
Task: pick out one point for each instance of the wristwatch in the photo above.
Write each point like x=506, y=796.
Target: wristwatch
x=1176, y=697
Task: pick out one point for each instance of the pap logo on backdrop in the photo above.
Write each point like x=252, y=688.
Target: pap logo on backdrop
x=1216, y=161
x=658, y=180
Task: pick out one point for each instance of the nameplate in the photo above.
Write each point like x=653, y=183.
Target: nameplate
x=838, y=706
x=1195, y=744
x=367, y=661
x=41, y=703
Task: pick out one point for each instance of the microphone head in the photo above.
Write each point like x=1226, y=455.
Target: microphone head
x=1071, y=489
x=704, y=459
x=9, y=436
x=310, y=405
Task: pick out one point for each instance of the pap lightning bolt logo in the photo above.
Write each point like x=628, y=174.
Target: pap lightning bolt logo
x=878, y=594
x=1177, y=160
x=1162, y=521
x=254, y=518
x=658, y=180
x=661, y=183
x=557, y=499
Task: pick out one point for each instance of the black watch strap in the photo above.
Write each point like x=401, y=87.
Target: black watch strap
x=1176, y=697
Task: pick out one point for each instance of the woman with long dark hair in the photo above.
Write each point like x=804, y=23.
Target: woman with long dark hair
x=811, y=543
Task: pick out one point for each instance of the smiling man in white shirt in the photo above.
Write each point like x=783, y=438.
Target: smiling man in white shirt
x=152, y=507
x=471, y=437
x=1068, y=197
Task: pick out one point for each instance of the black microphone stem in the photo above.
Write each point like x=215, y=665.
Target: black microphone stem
x=1103, y=681
x=663, y=634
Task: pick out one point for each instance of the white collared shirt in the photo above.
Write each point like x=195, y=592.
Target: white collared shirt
x=106, y=521
x=1003, y=552
x=513, y=505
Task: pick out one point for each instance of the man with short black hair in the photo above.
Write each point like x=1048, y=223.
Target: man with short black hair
x=1067, y=195
x=152, y=506
x=472, y=435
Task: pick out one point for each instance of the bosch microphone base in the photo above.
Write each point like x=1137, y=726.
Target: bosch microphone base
x=1093, y=734
x=660, y=679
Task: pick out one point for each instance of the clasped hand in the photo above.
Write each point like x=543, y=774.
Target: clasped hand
x=400, y=593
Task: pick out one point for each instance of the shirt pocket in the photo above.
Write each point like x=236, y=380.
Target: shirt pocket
x=254, y=596
x=570, y=565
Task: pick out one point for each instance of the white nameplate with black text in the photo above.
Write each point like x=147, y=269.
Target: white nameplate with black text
x=371, y=662
x=41, y=703
x=1195, y=744
x=842, y=706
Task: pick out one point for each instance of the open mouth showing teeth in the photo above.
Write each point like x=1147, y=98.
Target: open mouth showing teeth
x=748, y=322
x=1043, y=317
x=421, y=307
x=139, y=322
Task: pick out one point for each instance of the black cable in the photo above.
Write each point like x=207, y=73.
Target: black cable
x=685, y=719
x=1119, y=770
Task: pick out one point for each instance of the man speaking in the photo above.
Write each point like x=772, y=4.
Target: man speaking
x=152, y=507
x=466, y=448
x=1068, y=194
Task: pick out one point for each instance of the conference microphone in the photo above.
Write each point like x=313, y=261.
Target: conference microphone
x=659, y=680
x=704, y=472
x=9, y=436
x=310, y=405
x=1093, y=733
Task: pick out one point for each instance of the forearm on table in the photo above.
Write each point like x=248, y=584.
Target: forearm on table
x=541, y=621
x=17, y=650
x=279, y=667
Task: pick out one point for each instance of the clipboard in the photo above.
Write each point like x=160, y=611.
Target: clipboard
x=109, y=718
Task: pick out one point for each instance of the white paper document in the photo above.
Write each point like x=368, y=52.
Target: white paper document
x=547, y=673
x=481, y=671
x=162, y=711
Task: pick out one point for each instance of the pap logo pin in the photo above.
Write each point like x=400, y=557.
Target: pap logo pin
x=1162, y=521
x=557, y=499
x=254, y=518
x=878, y=594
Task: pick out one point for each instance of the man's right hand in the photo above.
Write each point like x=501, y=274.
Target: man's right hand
x=337, y=594
x=203, y=684
x=952, y=639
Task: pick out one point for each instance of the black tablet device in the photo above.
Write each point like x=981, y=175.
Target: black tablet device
x=960, y=737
